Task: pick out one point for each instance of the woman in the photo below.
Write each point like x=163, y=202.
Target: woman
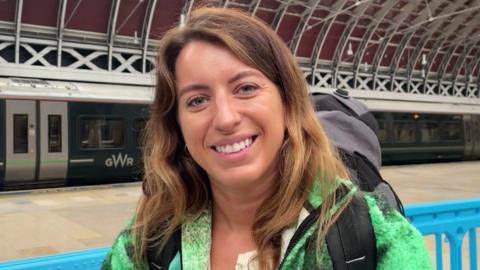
x=234, y=156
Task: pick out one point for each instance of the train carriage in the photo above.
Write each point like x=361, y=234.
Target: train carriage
x=64, y=133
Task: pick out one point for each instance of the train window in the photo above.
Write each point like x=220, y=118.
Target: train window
x=404, y=132
x=452, y=131
x=382, y=131
x=54, y=133
x=429, y=132
x=405, y=116
x=20, y=133
x=101, y=133
x=138, y=130
x=382, y=121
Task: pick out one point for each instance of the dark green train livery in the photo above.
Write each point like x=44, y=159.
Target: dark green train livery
x=407, y=137
x=63, y=133
x=82, y=139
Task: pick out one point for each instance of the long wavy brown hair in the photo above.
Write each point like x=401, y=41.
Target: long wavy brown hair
x=176, y=189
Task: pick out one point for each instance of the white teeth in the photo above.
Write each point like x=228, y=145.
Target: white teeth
x=233, y=148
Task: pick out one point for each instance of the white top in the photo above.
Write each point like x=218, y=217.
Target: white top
x=245, y=260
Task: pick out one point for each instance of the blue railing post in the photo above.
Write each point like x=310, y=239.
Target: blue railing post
x=455, y=239
x=438, y=251
x=472, y=241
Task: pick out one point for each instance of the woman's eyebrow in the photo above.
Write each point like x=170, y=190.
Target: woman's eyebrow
x=244, y=74
x=191, y=87
x=199, y=86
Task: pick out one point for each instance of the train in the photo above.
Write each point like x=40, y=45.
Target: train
x=55, y=133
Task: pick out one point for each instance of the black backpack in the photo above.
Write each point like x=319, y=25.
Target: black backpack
x=352, y=129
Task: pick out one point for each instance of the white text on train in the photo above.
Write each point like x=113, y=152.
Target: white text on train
x=121, y=160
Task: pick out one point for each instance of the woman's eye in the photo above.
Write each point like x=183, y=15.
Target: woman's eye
x=196, y=101
x=247, y=88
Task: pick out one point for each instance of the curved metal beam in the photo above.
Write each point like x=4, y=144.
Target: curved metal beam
x=461, y=59
x=280, y=14
x=448, y=58
x=418, y=22
x=443, y=66
x=321, y=36
x=187, y=8
x=435, y=51
x=73, y=12
x=254, y=7
x=450, y=29
x=128, y=16
x=363, y=46
x=471, y=66
x=382, y=48
x=223, y=3
x=432, y=28
x=476, y=57
x=465, y=53
x=112, y=23
x=445, y=61
x=458, y=64
x=18, y=26
x=337, y=59
x=147, y=25
x=60, y=27
x=327, y=25
x=302, y=27
x=478, y=80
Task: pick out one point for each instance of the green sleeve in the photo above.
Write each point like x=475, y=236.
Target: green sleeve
x=399, y=244
x=121, y=254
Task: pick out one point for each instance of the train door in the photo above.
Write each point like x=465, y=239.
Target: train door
x=2, y=142
x=20, y=141
x=35, y=142
x=53, y=140
x=472, y=140
x=467, y=130
x=476, y=135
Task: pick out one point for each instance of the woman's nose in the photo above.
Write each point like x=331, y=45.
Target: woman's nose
x=227, y=115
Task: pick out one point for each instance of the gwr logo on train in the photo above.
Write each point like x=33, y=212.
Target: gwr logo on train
x=119, y=160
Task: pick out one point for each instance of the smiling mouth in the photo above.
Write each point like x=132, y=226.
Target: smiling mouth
x=235, y=147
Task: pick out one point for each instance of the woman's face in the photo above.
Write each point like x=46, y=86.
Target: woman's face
x=231, y=116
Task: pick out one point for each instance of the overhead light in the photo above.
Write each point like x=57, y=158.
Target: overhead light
x=349, y=51
x=424, y=59
x=182, y=20
x=423, y=73
x=135, y=37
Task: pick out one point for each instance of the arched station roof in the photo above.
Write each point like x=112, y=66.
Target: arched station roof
x=425, y=39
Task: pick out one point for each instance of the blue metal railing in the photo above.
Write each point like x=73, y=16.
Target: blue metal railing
x=453, y=219
x=80, y=260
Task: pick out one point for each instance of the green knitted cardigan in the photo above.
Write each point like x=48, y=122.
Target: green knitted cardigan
x=399, y=245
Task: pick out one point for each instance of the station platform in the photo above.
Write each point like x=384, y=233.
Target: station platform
x=43, y=222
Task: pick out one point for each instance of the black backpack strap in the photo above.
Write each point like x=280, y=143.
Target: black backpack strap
x=351, y=240
x=161, y=260
x=369, y=179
